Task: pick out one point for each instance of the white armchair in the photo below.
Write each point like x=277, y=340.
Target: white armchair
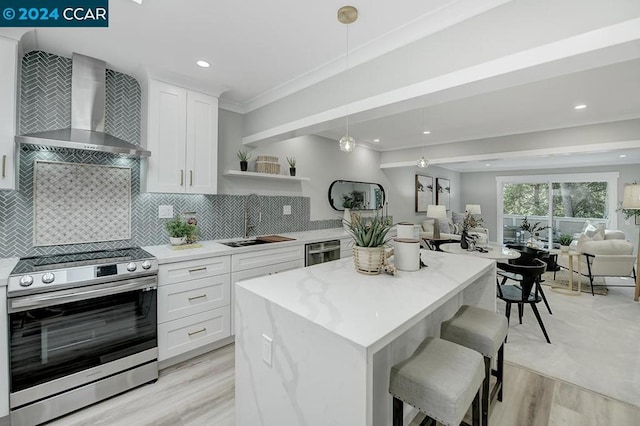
x=611, y=257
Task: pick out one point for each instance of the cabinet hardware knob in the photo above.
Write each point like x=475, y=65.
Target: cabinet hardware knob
x=191, y=333
x=204, y=268
x=197, y=297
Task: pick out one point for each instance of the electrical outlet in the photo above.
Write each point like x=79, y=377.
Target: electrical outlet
x=286, y=209
x=165, y=212
x=266, y=349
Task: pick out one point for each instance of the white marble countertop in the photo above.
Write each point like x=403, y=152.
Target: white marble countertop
x=368, y=310
x=167, y=254
x=6, y=266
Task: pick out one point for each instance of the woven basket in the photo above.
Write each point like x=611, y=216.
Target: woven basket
x=368, y=260
x=267, y=158
x=268, y=167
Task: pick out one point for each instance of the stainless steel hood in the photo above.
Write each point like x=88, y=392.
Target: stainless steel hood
x=87, y=115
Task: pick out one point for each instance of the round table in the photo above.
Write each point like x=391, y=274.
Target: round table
x=494, y=251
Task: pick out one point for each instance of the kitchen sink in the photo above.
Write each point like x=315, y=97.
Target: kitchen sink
x=245, y=243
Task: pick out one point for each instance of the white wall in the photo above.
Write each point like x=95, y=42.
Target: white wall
x=318, y=158
x=480, y=188
x=402, y=181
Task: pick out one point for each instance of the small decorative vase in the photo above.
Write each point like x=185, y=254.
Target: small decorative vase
x=346, y=219
x=564, y=249
x=243, y=166
x=177, y=241
x=292, y=171
x=464, y=240
x=368, y=260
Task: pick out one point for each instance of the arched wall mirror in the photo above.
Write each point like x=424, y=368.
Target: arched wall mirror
x=356, y=195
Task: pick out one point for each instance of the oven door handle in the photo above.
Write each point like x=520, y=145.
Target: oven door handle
x=43, y=300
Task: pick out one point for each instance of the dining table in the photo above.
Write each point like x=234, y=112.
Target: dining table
x=494, y=251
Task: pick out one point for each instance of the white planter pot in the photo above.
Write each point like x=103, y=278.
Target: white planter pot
x=564, y=249
x=177, y=241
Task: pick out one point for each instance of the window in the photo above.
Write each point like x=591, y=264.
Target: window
x=562, y=202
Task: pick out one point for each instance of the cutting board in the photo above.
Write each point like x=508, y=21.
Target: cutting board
x=274, y=238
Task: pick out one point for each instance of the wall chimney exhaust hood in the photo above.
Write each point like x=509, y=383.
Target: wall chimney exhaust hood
x=87, y=115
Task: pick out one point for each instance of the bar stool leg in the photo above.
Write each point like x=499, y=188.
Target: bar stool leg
x=475, y=410
x=500, y=372
x=398, y=407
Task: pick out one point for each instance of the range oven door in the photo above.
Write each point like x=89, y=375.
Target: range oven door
x=57, y=334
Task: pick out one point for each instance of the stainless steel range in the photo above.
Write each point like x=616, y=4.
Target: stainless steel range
x=82, y=328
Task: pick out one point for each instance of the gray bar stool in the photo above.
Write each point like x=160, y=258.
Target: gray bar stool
x=483, y=331
x=441, y=379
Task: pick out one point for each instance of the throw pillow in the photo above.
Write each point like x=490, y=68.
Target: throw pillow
x=599, y=234
x=458, y=218
x=427, y=226
x=583, y=239
x=444, y=226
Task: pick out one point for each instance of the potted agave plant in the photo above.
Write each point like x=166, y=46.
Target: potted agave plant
x=564, y=240
x=369, y=237
x=243, y=156
x=292, y=165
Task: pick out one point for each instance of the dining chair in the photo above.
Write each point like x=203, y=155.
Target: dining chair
x=526, y=292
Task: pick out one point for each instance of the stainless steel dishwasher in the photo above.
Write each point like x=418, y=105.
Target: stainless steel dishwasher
x=324, y=251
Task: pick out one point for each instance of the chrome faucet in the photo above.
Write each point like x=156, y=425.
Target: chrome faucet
x=248, y=226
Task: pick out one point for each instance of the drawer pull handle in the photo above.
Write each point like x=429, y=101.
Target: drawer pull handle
x=190, y=177
x=204, y=268
x=181, y=177
x=4, y=166
x=191, y=333
x=197, y=297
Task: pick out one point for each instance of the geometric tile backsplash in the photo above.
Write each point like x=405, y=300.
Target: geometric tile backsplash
x=80, y=203
x=45, y=105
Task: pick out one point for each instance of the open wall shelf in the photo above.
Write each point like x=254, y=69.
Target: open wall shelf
x=238, y=173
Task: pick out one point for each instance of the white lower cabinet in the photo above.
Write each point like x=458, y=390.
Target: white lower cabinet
x=193, y=305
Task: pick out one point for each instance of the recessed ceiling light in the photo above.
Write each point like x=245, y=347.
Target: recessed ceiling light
x=581, y=106
x=203, y=64
x=487, y=165
x=426, y=132
x=376, y=140
x=623, y=155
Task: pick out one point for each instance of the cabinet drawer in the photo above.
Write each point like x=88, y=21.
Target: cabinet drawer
x=192, y=297
x=186, y=334
x=170, y=273
x=255, y=259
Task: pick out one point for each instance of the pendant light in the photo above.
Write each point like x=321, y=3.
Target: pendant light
x=423, y=163
x=347, y=15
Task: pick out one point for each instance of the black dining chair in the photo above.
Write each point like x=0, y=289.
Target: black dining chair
x=526, y=292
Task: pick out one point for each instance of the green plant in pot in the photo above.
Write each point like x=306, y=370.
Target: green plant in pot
x=180, y=231
x=243, y=156
x=292, y=165
x=564, y=240
x=369, y=237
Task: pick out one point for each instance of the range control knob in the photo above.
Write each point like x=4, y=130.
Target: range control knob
x=48, y=278
x=146, y=264
x=26, y=280
x=131, y=266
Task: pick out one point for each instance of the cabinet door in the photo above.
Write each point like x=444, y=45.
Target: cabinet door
x=166, y=137
x=202, y=144
x=8, y=88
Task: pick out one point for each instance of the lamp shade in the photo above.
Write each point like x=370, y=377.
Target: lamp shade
x=436, y=212
x=631, y=198
x=473, y=208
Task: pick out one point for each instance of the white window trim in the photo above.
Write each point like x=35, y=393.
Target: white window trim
x=610, y=177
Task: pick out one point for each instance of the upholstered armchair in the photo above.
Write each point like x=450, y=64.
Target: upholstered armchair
x=609, y=257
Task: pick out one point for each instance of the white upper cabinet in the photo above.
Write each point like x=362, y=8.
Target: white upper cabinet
x=8, y=90
x=182, y=135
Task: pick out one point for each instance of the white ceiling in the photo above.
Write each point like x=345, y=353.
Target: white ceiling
x=261, y=51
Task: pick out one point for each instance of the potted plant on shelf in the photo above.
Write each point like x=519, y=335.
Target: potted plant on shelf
x=244, y=156
x=564, y=240
x=292, y=165
x=369, y=237
x=180, y=231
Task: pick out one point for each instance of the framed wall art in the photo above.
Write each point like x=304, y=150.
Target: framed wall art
x=424, y=192
x=443, y=192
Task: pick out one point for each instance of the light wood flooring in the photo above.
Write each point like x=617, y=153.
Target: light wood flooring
x=201, y=392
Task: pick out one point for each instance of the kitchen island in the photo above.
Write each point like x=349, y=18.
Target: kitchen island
x=314, y=346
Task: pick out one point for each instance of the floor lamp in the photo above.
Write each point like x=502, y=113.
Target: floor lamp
x=631, y=201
